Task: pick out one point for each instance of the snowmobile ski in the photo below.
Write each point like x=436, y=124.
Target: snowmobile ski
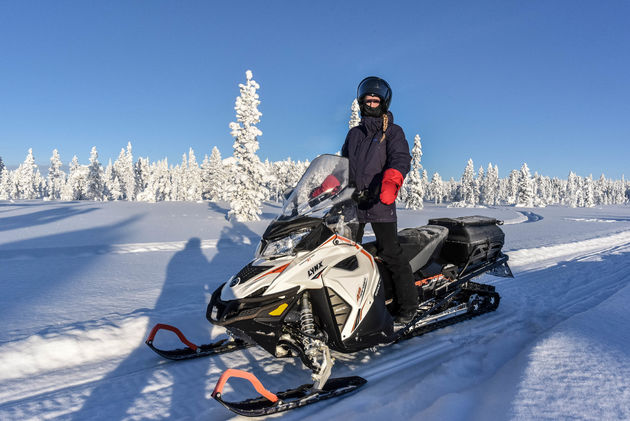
x=193, y=351
x=272, y=403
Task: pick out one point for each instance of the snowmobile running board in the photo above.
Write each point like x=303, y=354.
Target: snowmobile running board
x=192, y=350
x=271, y=403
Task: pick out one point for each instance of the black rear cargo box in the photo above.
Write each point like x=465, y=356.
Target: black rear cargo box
x=477, y=238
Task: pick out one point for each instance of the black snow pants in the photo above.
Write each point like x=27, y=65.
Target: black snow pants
x=390, y=251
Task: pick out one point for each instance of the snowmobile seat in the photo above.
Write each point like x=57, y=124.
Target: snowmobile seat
x=419, y=244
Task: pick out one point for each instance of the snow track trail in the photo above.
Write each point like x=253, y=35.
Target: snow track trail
x=93, y=250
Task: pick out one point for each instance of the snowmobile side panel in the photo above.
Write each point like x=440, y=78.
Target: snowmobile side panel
x=376, y=327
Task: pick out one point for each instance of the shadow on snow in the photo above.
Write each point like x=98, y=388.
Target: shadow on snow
x=190, y=278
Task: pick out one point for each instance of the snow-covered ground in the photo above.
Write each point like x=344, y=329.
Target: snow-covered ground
x=82, y=283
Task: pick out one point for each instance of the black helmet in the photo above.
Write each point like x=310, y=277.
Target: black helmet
x=376, y=86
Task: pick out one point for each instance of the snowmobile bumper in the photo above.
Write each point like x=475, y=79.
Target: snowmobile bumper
x=255, y=319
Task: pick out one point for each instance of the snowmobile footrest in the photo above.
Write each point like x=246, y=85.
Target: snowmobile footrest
x=271, y=403
x=192, y=350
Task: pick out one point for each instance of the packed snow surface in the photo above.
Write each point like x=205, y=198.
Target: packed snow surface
x=82, y=283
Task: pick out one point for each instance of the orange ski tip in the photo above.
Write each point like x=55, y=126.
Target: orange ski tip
x=232, y=372
x=180, y=335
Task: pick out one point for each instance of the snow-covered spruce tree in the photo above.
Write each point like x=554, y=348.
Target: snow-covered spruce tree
x=141, y=175
x=580, y=192
x=113, y=187
x=543, y=190
x=355, y=117
x=6, y=184
x=156, y=181
x=166, y=179
x=95, y=183
x=558, y=188
x=619, y=191
x=247, y=190
x=491, y=186
x=599, y=190
x=481, y=185
x=56, y=177
x=123, y=169
x=512, y=187
x=2, y=166
x=525, y=193
x=178, y=180
x=403, y=193
x=468, y=196
x=436, y=189
x=25, y=179
x=214, y=177
x=571, y=193
x=154, y=176
x=415, y=189
x=451, y=190
x=287, y=173
x=425, y=183
x=193, y=178
x=276, y=186
x=589, y=194
x=75, y=188
x=268, y=179
x=162, y=181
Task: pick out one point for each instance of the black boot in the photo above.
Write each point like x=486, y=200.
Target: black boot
x=404, y=316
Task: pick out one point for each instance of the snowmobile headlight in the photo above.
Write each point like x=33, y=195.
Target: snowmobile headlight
x=284, y=245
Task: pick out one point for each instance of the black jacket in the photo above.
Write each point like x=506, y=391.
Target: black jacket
x=369, y=158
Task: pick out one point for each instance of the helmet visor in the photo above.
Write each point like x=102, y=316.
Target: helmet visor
x=374, y=86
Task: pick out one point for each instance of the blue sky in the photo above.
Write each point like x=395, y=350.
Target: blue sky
x=507, y=82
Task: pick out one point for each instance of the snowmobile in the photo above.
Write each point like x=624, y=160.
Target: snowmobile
x=311, y=289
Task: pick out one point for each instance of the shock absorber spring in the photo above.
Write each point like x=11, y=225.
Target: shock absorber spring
x=307, y=322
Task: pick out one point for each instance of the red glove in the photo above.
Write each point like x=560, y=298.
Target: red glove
x=392, y=180
x=330, y=183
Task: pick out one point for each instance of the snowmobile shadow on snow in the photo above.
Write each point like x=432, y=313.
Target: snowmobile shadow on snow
x=183, y=299
x=186, y=274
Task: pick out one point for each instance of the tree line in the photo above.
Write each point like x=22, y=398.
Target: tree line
x=245, y=181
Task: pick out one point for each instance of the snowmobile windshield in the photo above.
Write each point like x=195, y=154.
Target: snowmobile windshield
x=324, y=184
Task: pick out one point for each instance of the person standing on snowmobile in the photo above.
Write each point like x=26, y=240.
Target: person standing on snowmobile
x=379, y=158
